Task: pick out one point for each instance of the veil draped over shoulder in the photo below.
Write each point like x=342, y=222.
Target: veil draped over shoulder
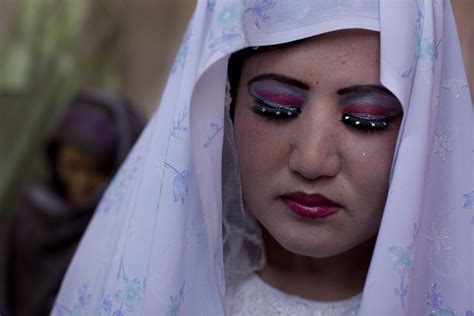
x=156, y=245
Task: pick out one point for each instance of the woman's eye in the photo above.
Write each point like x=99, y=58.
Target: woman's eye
x=278, y=112
x=365, y=123
x=368, y=107
x=277, y=97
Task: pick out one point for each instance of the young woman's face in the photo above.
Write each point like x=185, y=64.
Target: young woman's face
x=78, y=172
x=315, y=134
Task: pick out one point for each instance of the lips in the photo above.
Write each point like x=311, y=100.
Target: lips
x=312, y=206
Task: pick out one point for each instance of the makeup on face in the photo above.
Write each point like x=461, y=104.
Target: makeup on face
x=313, y=206
x=286, y=166
x=368, y=107
x=277, y=95
x=365, y=107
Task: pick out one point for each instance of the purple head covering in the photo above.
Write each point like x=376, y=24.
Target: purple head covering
x=101, y=125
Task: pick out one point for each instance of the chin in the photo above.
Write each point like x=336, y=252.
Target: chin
x=319, y=251
x=314, y=246
x=317, y=246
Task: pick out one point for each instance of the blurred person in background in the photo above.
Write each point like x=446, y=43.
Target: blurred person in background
x=91, y=140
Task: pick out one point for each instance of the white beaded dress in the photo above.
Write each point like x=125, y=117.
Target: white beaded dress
x=252, y=296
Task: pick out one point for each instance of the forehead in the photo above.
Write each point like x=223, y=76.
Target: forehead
x=355, y=53
x=69, y=152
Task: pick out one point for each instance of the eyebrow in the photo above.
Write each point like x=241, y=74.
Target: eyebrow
x=280, y=78
x=365, y=89
x=355, y=89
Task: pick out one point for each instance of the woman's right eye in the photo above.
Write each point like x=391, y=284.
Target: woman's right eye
x=277, y=97
x=278, y=112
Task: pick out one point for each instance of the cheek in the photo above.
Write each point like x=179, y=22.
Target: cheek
x=249, y=143
x=65, y=174
x=98, y=181
x=255, y=142
x=261, y=153
x=368, y=166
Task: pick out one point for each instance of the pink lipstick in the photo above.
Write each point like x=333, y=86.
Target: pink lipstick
x=312, y=206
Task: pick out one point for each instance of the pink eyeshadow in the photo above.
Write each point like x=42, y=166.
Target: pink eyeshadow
x=369, y=110
x=280, y=98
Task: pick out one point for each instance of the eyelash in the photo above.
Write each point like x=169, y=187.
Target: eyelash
x=288, y=112
x=276, y=112
x=366, y=124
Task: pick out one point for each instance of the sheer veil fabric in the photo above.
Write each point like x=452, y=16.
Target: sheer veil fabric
x=156, y=244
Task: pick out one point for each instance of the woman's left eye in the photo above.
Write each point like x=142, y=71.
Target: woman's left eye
x=278, y=112
x=365, y=123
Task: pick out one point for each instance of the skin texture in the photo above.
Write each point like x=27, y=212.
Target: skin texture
x=316, y=153
x=78, y=172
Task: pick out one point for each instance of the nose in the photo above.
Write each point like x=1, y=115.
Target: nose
x=314, y=150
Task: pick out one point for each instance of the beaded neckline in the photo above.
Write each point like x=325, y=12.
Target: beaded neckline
x=253, y=296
